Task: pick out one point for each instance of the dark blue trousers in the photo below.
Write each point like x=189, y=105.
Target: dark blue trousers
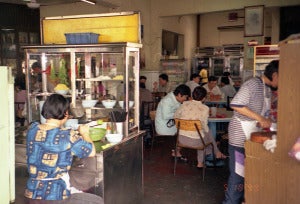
x=234, y=189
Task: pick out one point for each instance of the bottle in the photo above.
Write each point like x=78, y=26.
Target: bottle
x=208, y=96
x=108, y=128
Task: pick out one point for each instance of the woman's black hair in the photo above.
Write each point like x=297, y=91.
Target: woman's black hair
x=212, y=78
x=183, y=90
x=199, y=93
x=56, y=107
x=271, y=68
x=143, y=77
x=226, y=74
x=193, y=76
x=225, y=80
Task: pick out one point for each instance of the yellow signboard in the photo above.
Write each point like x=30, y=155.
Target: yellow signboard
x=115, y=27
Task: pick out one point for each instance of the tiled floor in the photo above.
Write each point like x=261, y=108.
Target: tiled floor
x=161, y=186
x=187, y=186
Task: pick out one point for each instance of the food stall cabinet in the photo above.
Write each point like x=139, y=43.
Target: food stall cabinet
x=96, y=57
x=82, y=68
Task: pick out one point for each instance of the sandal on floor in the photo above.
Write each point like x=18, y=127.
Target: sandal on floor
x=220, y=155
x=173, y=154
x=200, y=166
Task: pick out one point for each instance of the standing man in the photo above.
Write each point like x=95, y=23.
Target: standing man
x=251, y=105
x=203, y=74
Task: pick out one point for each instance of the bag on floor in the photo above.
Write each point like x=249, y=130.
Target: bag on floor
x=83, y=173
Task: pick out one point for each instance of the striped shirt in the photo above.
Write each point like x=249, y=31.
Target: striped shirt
x=251, y=95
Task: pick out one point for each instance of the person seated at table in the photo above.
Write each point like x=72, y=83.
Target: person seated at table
x=226, y=74
x=143, y=79
x=164, y=118
x=145, y=120
x=50, y=151
x=213, y=90
x=226, y=88
x=195, y=110
x=20, y=99
x=163, y=83
x=194, y=82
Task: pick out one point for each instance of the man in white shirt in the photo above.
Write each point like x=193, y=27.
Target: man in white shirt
x=164, y=85
x=167, y=107
x=227, y=89
x=194, y=82
x=212, y=88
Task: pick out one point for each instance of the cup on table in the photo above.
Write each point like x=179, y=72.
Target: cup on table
x=213, y=111
x=118, y=128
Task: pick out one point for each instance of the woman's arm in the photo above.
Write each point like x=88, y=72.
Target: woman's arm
x=84, y=132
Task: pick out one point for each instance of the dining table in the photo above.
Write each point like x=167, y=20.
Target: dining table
x=216, y=103
x=222, y=116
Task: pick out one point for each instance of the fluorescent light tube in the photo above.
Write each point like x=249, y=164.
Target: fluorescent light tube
x=89, y=2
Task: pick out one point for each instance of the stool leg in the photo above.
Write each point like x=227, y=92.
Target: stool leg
x=204, y=165
x=175, y=163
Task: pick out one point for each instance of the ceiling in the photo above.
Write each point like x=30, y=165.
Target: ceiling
x=42, y=2
x=104, y=3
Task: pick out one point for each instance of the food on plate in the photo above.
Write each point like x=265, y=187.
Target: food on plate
x=118, y=77
x=59, y=87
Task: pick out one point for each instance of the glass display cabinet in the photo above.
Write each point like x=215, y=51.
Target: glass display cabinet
x=91, y=72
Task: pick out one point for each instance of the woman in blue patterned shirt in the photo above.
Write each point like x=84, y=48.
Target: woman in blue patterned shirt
x=50, y=151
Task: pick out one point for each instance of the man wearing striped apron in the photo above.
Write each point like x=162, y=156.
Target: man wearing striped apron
x=251, y=106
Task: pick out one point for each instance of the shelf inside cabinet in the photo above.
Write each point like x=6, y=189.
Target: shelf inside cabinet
x=99, y=79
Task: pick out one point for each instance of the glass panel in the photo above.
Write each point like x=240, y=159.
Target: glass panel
x=218, y=66
x=34, y=38
x=8, y=44
x=235, y=66
x=100, y=73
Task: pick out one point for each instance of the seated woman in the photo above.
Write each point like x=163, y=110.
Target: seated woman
x=50, y=151
x=196, y=110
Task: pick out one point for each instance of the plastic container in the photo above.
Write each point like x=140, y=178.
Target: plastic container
x=82, y=38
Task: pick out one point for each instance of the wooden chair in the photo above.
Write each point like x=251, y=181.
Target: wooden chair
x=145, y=119
x=157, y=96
x=19, y=106
x=191, y=125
